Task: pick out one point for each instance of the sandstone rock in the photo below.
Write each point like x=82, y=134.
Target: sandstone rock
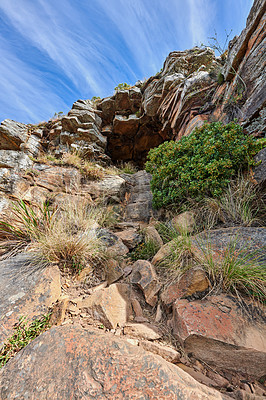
x=92, y=364
x=166, y=352
x=58, y=179
x=115, y=245
x=142, y=331
x=130, y=238
x=14, y=159
x=107, y=106
x=12, y=135
x=111, y=306
x=32, y=146
x=26, y=288
x=246, y=59
x=113, y=271
x=184, y=222
x=112, y=186
x=218, y=332
x=152, y=234
x=164, y=251
x=192, y=282
x=122, y=101
x=245, y=240
x=144, y=275
x=139, y=207
x=127, y=126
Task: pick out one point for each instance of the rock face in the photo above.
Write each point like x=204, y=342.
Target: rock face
x=26, y=289
x=87, y=364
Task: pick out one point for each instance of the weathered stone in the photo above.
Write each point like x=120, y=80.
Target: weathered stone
x=152, y=234
x=164, y=251
x=192, y=282
x=113, y=271
x=112, y=186
x=107, y=106
x=26, y=288
x=93, y=364
x=217, y=331
x=139, y=207
x=14, y=159
x=111, y=306
x=122, y=101
x=184, y=222
x=115, y=245
x=166, y=352
x=58, y=179
x=12, y=135
x=142, y=331
x=130, y=238
x=243, y=240
x=144, y=275
x=59, y=311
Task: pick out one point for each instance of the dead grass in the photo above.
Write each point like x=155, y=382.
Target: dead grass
x=66, y=235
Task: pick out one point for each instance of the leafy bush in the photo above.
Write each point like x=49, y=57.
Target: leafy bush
x=201, y=164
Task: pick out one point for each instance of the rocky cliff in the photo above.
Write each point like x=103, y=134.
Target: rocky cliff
x=125, y=324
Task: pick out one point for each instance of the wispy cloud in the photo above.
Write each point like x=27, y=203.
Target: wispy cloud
x=201, y=14
x=56, y=51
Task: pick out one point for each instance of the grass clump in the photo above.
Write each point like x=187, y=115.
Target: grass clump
x=236, y=270
x=201, y=164
x=88, y=169
x=65, y=235
x=145, y=250
x=24, y=333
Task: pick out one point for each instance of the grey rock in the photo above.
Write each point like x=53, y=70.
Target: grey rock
x=12, y=134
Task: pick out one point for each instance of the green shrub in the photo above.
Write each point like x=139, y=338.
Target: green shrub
x=201, y=164
x=123, y=86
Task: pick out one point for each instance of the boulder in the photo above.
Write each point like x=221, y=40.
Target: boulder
x=111, y=186
x=86, y=363
x=184, y=222
x=192, y=282
x=111, y=306
x=152, y=234
x=27, y=288
x=242, y=240
x=164, y=251
x=12, y=135
x=217, y=331
x=144, y=275
x=130, y=237
x=115, y=245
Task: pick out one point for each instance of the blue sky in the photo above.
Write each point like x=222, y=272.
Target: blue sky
x=54, y=52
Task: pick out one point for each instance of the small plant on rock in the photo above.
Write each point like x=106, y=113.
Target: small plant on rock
x=123, y=86
x=24, y=333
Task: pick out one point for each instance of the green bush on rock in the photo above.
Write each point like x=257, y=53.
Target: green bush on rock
x=201, y=164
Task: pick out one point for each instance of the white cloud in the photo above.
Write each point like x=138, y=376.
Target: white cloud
x=201, y=17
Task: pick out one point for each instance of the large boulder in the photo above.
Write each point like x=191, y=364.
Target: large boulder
x=217, y=331
x=70, y=362
x=27, y=288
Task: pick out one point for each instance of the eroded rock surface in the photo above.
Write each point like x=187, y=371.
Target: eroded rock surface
x=27, y=288
x=86, y=364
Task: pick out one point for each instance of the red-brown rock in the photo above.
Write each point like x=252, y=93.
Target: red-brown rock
x=69, y=362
